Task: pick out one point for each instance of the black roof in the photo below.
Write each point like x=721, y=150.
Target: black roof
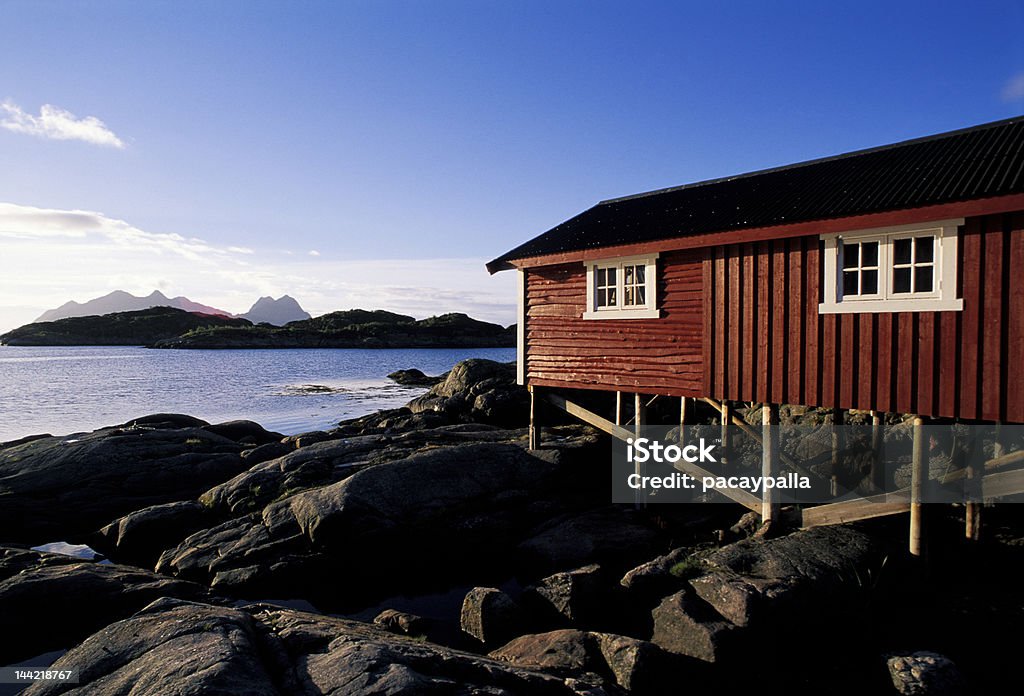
x=976, y=162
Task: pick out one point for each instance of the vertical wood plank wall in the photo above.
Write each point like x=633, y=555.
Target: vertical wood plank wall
x=662, y=356
x=967, y=364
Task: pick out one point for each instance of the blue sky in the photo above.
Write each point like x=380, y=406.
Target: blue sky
x=376, y=154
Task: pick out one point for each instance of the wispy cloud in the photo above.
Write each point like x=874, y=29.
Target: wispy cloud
x=51, y=256
x=1013, y=90
x=314, y=252
x=55, y=123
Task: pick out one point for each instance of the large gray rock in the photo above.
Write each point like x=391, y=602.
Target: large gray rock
x=685, y=625
x=612, y=536
x=434, y=509
x=655, y=578
x=478, y=390
x=580, y=597
x=490, y=616
x=48, y=602
x=139, y=537
x=174, y=647
x=62, y=488
x=636, y=665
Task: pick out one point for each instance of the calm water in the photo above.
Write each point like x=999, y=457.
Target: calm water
x=67, y=390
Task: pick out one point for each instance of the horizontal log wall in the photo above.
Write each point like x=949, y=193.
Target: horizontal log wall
x=765, y=341
x=662, y=356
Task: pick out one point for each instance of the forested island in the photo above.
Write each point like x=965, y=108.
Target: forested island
x=167, y=327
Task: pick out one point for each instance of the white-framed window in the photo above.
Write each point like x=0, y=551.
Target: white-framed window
x=622, y=288
x=910, y=268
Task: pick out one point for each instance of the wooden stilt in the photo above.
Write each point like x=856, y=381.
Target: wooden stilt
x=639, y=418
x=726, y=412
x=877, y=466
x=684, y=403
x=770, y=460
x=838, y=445
x=918, y=476
x=534, y=422
x=618, y=408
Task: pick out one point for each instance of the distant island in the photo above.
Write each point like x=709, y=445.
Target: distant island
x=265, y=310
x=168, y=327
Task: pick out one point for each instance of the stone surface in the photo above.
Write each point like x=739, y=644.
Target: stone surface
x=925, y=673
x=174, y=647
x=415, y=378
x=580, y=597
x=490, y=616
x=401, y=622
x=48, y=602
x=138, y=537
x=685, y=625
x=63, y=488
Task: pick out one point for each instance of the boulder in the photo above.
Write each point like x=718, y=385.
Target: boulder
x=49, y=602
x=414, y=378
x=140, y=536
x=635, y=665
x=924, y=673
x=685, y=625
x=175, y=647
x=401, y=622
x=655, y=579
x=490, y=616
x=612, y=536
x=578, y=597
x=67, y=487
x=246, y=431
x=478, y=390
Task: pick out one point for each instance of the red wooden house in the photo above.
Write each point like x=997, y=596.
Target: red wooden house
x=889, y=279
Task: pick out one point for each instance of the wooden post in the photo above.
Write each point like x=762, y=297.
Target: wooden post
x=639, y=418
x=726, y=412
x=918, y=476
x=618, y=408
x=770, y=461
x=684, y=403
x=877, y=466
x=972, y=487
x=838, y=445
x=534, y=421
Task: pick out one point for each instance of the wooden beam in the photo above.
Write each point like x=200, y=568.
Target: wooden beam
x=588, y=416
x=770, y=461
x=684, y=402
x=639, y=418
x=737, y=495
x=1002, y=484
x=918, y=476
x=618, y=408
x=877, y=466
x=859, y=509
x=726, y=418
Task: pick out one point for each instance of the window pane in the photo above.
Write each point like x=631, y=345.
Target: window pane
x=869, y=283
x=627, y=276
x=627, y=295
x=641, y=295
x=850, y=283
x=602, y=298
x=602, y=276
x=925, y=251
x=641, y=274
x=611, y=278
x=611, y=297
x=869, y=252
x=923, y=279
x=901, y=252
x=851, y=253
x=901, y=280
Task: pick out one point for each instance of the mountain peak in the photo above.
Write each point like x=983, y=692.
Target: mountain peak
x=121, y=301
x=278, y=312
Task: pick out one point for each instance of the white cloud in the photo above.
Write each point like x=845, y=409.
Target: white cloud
x=55, y=123
x=1013, y=90
x=314, y=252
x=51, y=256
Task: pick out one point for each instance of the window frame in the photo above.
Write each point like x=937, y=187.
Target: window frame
x=649, y=310
x=941, y=298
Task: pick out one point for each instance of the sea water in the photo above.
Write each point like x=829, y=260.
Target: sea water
x=75, y=389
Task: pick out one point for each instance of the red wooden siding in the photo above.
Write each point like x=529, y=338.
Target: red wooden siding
x=661, y=356
x=741, y=322
x=965, y=364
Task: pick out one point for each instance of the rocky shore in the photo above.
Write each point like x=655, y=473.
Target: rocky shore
x=425, y=550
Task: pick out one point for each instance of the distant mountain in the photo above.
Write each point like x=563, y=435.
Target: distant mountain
x=121, y=301
x=139, y=328
x=277, y=312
